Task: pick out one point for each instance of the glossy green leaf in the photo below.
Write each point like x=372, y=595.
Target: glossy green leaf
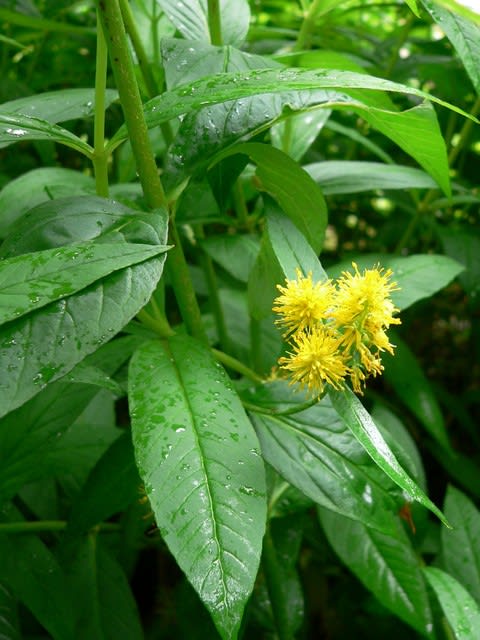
x=105, y=608
x=316, y=452
x=344, y=176
x=295, y=191
x=198, y=457
x=18, y=128
x=33, y=280
x=415, y=130
x=387, y=565
x=461, y=610
x=33, y=574
x=463, y=34
x=46, y=344
x=465, y=8
x=418, y=276
x=236, y=254
x=461, y=544
x=359, y=421
x=404, y=373
x=191, y=19
x=58, y=106
x=37, y=186
x=30, y=435
x=284, y=249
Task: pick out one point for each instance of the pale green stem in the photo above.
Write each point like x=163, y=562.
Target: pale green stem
x=100, y=156
x=236, y=365
x=308, y=26
x=214, y=22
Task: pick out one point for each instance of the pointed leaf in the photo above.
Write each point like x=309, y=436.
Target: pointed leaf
x=388, y=566
x=461, y=610
x=461, y=544
x=33, y=280
x=17, y=128
x=198, y=456
x=359, y=421
x=316, y=452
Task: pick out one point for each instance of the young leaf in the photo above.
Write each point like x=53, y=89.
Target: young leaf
x=364, y=429
x=388, y=566
x=461, y=544
x=461, y=610
x=198, y=456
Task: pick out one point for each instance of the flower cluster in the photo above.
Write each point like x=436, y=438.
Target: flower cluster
x=336, y=330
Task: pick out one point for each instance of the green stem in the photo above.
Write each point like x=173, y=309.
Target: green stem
x=402, y=37
x=50, y=525
x=146, y=71
x=158, y=324
x=304, y=38
x=124, y=72
x=183, y=287
x=100, y=156
x=236, y=365
x=275, y=579
x=240, y=204
x=211, y=279
x=286, y=412
x=255, y=344
x=214, y=22
x=464, y=134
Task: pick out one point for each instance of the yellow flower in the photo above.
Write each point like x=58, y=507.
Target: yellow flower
x=316, y=360
x=303, y=303
x=363, y=308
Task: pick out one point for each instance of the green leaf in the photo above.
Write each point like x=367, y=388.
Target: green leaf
x=415, y=130
x=464, y=246
x=460, y=608
x=105, y=608
x=463, y=34
x=315, y=451
x=58, y=106
x=236, y=254
x=387, y=565
x=9, y=623
x=31, y=571
x=461, y=544
x=295, y=191
x=364, y=429
x=33, y=280
x=345, y=176
x=418, y=276
x=112, y=485
x=296, y=135
x=284, y=249
x=198, y=456
x=46, y=344
x=465, y=8
x=409, y=382
x=37, y=186
x=191, y=19
x=18, y=128
x=30, y=435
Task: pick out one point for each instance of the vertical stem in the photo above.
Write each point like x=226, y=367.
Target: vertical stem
x=240, y=204
x=403, y=35
x=182, y=285
x=214, y=22
x=464, y=134
x=145, y=68
x=100, y=157
x=122, y=64
x=255, y=344
x=124, y=72
x=304, y=38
